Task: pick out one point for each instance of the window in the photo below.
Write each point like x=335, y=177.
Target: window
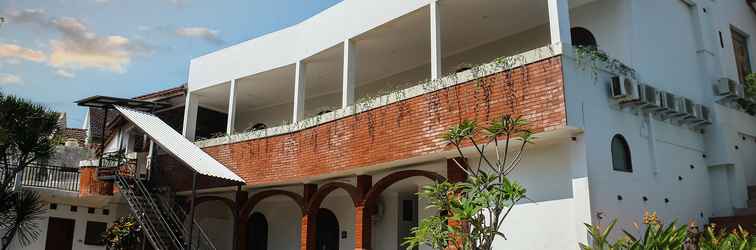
x=95, y=230
x=621, y=159
x=583, y=37
x=742, y=60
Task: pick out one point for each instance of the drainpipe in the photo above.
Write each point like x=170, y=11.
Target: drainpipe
x=652, y=142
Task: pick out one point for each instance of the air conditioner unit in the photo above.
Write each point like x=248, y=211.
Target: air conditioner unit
x=704, y=115
x=727, y=87
x=696, y=113
x=687, y=107
x=666, y=102
x=683, y=108
x=623, y=89
x=648, y=97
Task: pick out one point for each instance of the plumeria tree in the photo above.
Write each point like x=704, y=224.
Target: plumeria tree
x=473, y=211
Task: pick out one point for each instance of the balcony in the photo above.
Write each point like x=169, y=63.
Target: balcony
x=50, y=177
x=392, y=87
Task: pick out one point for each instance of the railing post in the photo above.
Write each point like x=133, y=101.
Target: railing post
x=191, y=210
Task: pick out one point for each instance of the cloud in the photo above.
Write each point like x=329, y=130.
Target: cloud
x=64, y=73
x=80, y=48
x=12, y=51
x=201, y=33
x=35, y=16
x=8, y=79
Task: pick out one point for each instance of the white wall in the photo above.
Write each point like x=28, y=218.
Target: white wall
x=81, y=216
x=284, y=217
x=218, y=223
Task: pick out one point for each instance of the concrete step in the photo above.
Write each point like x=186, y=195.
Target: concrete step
x=745, y=211
x=747, y=222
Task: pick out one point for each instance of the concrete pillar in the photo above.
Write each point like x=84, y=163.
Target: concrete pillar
x=190, y=116
x=240, y=226
x=453, y=171
x=299, y=91
x=309, y=220
x=559, y=21
x=362, y=215
x=232, y=97
x=349, y=73
x=435, y=30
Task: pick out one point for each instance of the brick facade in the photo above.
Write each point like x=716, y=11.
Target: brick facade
x=401, y=130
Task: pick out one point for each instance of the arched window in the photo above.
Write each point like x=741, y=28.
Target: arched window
x=583, y=37
x=621, y=159
x=257, y=232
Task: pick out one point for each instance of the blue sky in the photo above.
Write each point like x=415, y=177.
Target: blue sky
x=55, y=52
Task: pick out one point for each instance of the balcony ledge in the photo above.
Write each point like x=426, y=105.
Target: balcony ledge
x=499, y=65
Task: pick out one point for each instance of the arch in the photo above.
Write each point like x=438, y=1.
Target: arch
x=327, y=229
x=247, y=208
x=326, y=189
x=257, y=232
x=395, y=177
x=230, y=204
x=621, y=157
x=583, y=37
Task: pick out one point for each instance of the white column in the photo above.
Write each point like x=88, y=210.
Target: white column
x=299, y=91
x=435, y=26
x=230, y=126
x=559, y=21
x=190, y=116
x=350, y=73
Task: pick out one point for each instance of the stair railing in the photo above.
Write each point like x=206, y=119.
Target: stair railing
x=150, y=231
x=123, y=176
x=203, y=239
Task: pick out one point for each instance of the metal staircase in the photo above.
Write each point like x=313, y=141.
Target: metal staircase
x=161, y=219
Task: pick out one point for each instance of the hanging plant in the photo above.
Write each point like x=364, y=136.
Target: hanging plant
x=124, y=234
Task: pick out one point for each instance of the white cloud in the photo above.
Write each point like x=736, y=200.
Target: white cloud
x=64, y=73
x=77, y=47
x=8, y=79
x=12, y=51
x=201, y=33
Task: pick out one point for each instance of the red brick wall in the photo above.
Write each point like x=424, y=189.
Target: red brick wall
x=401, y=130
x=89, y=185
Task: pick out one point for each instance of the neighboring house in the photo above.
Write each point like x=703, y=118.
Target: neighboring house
x=318, y=136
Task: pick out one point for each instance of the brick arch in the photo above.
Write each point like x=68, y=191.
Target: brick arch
x=326, y=189
x=230, y=204
x=395, y=177
x=246, y=209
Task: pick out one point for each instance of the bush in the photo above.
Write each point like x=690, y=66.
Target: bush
x=123, y=234
x=669, y=237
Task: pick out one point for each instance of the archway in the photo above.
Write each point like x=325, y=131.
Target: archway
x=257, y=232
x=327, y=227
x=277, y=239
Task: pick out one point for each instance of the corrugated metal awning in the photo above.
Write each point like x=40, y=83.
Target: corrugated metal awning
x=178, y=146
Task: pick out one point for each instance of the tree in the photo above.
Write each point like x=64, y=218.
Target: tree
x=475, y=209
x=27, y=135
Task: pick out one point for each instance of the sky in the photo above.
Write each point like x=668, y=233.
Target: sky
x=55, y=52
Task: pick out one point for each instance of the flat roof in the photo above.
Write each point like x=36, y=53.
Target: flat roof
x=108, y=102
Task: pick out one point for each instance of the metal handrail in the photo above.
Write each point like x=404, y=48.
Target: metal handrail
x=47, y=176
x=198, y=228
x=126, y=191
x=149, y=199
x=51, y=177
x=151, y=202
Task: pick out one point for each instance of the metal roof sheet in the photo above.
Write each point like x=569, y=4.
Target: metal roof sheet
x=178, y=146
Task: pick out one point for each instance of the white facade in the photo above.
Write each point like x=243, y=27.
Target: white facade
x=680, y=172
x=346, y=53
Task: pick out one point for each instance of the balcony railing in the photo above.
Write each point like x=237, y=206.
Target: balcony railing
x=48, y=176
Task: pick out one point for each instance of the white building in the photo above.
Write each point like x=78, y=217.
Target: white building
x=333, y=124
